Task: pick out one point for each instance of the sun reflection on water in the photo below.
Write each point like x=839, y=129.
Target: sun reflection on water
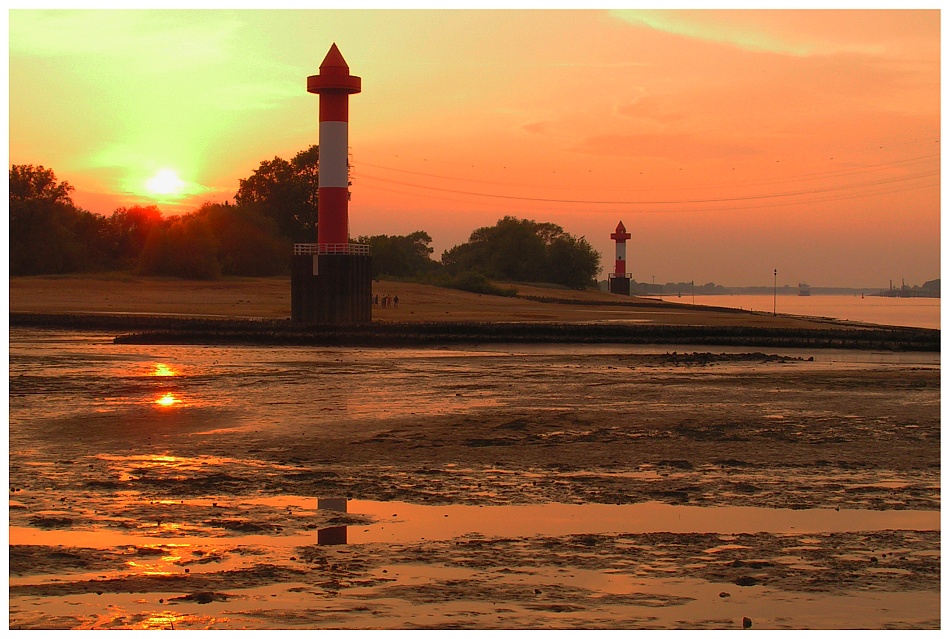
x=161, y=621
x=149, y=568
x=168, y=400
x=163, y=370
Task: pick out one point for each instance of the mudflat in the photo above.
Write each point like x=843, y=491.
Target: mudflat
x=488, y=487
x=543, y=487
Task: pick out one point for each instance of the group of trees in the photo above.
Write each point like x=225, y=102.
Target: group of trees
x=215, y=240
x=512, y=250
x=48, y=234
x=253, y=236
x=402, y=256
x=274, y=207
x=526, y=251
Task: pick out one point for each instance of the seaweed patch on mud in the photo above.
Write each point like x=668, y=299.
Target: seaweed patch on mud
x=706, y=359
x=29, y=559
x=203, y=597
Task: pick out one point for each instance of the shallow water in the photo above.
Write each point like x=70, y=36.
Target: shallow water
x=401, y=522
x=526, y=487
x=920, y=312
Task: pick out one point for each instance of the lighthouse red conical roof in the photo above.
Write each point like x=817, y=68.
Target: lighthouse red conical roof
x=334, y=75
x=334, y=59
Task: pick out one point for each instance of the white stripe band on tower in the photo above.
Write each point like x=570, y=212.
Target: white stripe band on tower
x=621, y=248
x=333, y=155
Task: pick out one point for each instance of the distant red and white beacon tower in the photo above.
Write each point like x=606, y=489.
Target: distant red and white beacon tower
x=619, y=280
x=331, y=280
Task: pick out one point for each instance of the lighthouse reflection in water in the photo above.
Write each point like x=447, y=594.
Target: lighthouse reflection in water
x=337, y=534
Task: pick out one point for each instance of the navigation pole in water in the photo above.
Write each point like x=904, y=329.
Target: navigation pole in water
x=620, y=280
x=331, y=280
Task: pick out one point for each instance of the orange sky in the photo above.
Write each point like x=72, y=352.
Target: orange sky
x=730, y=143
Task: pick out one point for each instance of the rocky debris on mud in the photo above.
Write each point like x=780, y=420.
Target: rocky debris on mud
x=203, y=597
x=51, y=522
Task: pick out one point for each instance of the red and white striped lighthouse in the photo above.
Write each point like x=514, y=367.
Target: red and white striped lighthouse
x=331, y=281
x=621, y=236
x=619, y=280
x=334, y=84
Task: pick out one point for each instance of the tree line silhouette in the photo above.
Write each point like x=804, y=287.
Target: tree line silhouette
x=273, y=208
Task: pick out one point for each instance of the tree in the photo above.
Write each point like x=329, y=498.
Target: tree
x=572, y=261
x=28, y=182
x=246, y=243
x=182, y=248
x=285, y=192
x=127, y=229
x=48, y=233
x=513, y=249
x=401, y=255
x=526, y=251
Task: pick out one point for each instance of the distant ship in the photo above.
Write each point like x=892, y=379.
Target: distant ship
x=804, y=290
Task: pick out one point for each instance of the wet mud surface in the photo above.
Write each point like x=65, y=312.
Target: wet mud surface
x=126, y=513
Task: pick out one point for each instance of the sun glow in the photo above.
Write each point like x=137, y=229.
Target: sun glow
x=165, y=182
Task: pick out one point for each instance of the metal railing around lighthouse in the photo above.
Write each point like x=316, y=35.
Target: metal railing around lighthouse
x=331, y=249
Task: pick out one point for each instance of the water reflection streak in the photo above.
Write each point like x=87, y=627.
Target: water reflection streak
x=404, y=522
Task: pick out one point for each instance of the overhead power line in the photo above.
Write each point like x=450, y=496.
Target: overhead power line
x=872, y=192
x=843, y=172
x=766, y=196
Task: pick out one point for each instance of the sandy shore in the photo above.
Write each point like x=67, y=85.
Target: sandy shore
x=270, y=298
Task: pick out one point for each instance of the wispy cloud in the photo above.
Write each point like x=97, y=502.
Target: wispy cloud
x=786, y=32
x=715, y=26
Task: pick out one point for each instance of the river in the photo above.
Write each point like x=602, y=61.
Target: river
x=919, y=312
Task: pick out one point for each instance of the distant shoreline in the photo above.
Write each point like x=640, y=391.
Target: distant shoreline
x=129, y=301
x=154, y=329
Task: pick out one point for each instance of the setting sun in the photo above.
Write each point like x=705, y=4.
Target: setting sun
x=165, y=182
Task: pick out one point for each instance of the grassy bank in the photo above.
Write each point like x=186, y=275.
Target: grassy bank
x=143, y=329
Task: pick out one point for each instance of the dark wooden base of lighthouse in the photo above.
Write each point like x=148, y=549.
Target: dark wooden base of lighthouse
x=619, y=285
x=331, y=289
